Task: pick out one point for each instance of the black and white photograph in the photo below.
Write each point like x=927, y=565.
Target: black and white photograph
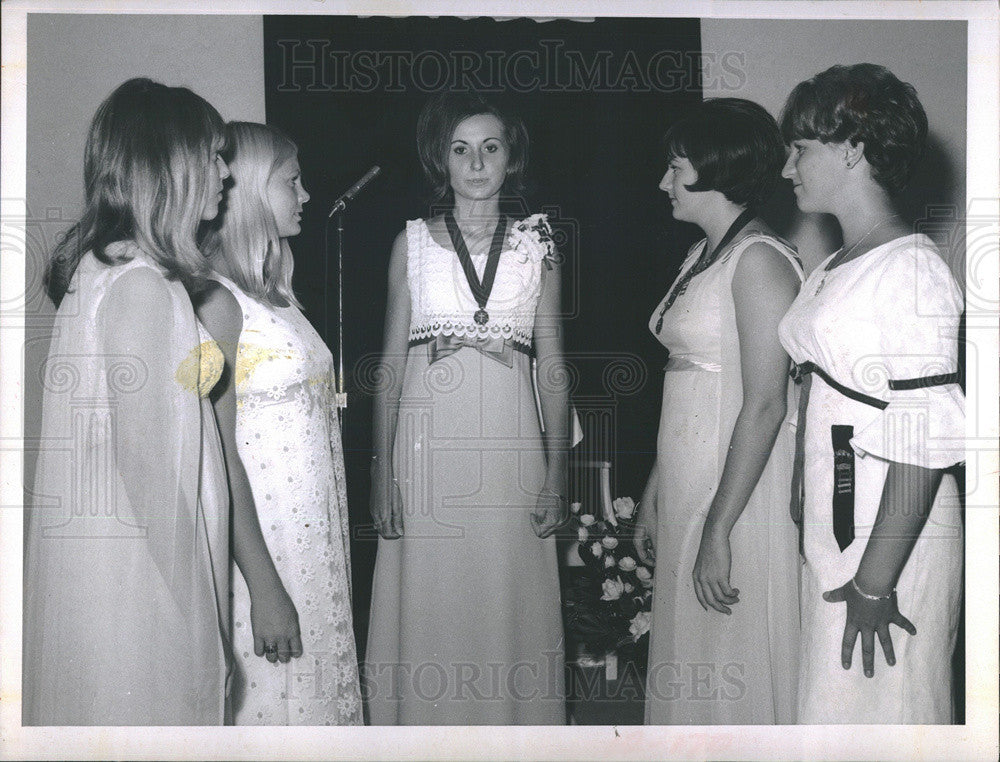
x=606, y=382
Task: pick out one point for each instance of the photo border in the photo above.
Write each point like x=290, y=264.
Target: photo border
x=976, y=739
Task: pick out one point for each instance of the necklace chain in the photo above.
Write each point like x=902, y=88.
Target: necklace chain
x=842, y=255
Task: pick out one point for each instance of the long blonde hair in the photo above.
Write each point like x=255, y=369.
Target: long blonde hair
x=244, y=243
x=145, y=174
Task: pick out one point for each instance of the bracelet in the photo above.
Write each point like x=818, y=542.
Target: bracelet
x=868, y=596
x=552, y=493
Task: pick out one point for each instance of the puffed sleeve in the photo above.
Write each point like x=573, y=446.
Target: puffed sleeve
x=916, y=309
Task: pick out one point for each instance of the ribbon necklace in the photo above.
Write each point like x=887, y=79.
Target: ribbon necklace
x=480, y=290
x=704, y=263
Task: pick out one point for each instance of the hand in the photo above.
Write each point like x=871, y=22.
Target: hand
x=869, y=617
x=275, y=624
x=386, y=504
x=711, y=572
x=644, y=534
x=551, y=512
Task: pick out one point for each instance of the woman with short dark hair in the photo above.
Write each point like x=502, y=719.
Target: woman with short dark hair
x=467, y=486
x=874, y=331
x=724, y=635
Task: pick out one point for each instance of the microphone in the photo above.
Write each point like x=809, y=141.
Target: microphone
x=341, y=203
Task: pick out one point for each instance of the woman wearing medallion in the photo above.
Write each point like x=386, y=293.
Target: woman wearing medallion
x=126, y=607
x=713, y=516
x=467, y=482
x=874, y=331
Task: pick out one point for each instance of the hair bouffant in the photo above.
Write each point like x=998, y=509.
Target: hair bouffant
x=863, y=103
x=735, y=147
x=438, y=120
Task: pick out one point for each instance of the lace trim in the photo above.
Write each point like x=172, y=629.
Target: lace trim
x=451, y=328
x=430, y=267
x=310, y=392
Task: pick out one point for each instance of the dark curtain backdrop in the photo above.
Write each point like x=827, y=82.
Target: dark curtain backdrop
x=596, y=98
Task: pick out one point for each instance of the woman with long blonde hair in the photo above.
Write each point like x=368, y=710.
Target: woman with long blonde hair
x=281, y=436
x=128, y=527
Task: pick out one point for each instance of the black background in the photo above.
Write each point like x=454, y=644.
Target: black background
x=595, y=163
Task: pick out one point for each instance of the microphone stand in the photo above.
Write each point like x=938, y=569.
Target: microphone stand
x=338, y=210
x=340, y=394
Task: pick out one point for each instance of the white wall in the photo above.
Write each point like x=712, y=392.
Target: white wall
x=769, y=57
x=74, y=62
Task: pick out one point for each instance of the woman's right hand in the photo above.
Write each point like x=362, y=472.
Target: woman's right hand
x=275, y=624
x=644, y=535
x=386, y=504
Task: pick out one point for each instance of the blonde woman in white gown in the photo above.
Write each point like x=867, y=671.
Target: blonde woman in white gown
x=127, y=546
x=282, y=439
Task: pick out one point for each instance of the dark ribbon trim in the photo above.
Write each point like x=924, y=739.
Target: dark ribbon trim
x=906, y=384
x=843, y=485
x=703, y=263
x=808, y=367
x=800, y=374
x=480, y=290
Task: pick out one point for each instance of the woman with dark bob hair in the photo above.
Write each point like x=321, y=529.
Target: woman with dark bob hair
x=468, y=480
x=873, y=332
x=724, y=638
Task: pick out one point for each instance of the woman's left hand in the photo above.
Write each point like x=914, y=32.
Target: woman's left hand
x=711, y=572
x=275, y=624
x=870, y=618
x=551, y=512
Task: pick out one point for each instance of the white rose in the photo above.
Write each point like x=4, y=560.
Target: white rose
x=645, y=576
x=624, y=507
x=639, y=625
x=574, y=507
x=587, y=519
x=597, y=550
x=629, y=588
x=628, y=563
x=609, y=561
x=582, y=534
x=610, y=543
x=613, y=589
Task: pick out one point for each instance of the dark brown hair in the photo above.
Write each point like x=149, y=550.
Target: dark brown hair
x=862, y=103
x=436, y=125
x=735, y=147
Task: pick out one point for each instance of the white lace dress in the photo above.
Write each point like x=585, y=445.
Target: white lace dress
x=289, y=441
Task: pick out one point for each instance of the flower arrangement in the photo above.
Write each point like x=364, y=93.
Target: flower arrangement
x=532, y=239
x=607, y=605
